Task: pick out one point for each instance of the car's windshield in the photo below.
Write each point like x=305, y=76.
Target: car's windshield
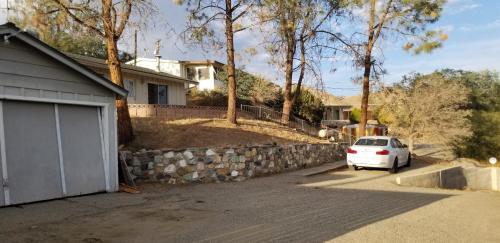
x=371, y=142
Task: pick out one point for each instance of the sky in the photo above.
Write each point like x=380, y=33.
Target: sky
x=473, y=28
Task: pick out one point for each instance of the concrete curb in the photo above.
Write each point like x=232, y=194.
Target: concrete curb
x=456, y=177
x=322, y=168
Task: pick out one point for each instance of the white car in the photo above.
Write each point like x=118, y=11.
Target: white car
x=378, y=152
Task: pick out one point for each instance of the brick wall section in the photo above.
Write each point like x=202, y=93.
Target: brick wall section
x=174, y=112
x=226, y=164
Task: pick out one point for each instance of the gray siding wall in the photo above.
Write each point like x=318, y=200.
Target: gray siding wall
x=25, y=67
x=28, y=74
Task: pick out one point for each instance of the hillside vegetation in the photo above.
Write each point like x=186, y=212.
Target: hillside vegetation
x=154, y=133
x=255, y=90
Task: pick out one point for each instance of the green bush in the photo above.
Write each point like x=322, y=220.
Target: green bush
x=250, y=87
x=485, y=140
x=355, y=116
x=484, y=101
x=211, y=98
x=255, y=90
x=308, y=107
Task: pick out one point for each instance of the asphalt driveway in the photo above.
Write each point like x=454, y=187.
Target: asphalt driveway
x=345, y=206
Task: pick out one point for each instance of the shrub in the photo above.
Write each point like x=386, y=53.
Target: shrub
x=211, y=98
x=484, y=101
x=308, y=107
x=355, y=116
x=250, y=87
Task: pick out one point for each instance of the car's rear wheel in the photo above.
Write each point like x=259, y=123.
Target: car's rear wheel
x=408, y=162
x=394, y=168
x=356, y=168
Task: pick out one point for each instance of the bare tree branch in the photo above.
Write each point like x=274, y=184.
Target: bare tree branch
x=125, y=15
x=67, y=9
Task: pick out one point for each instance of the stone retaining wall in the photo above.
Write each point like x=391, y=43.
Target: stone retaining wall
x=226, y=164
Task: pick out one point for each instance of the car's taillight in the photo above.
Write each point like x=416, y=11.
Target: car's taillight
x=383, y=152
x=351, y=151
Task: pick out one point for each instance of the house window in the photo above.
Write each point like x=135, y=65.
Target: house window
x=129, y=86
x=203, y=74
x=190, y=73
x=157, y=94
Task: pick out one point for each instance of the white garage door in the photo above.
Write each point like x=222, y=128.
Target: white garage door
x=51, y=151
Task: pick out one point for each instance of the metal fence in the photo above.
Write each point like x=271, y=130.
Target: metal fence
x=268, y=114
x=173, y=112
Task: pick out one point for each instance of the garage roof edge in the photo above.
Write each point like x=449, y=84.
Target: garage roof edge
x=13, y=31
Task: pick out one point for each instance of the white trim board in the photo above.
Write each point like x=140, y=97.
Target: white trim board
x=59, y=148
x=5, y=176
x=103, y=147
x=55, y=101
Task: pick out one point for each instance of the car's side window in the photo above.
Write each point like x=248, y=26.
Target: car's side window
x=393, y=143
x=398, y=143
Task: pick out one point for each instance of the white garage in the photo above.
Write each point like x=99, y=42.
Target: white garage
x=57, y=123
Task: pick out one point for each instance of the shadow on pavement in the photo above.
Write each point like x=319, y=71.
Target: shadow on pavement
x=340, y=211
x=346, y=176
x=269, y=209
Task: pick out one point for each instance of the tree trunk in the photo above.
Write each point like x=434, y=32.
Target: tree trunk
x=367, y=62
x=296, y=94
x=288, y=31
x=125, y=132
x=287, y=108
x=411, y=144
x=365, y=96
x=231, y=78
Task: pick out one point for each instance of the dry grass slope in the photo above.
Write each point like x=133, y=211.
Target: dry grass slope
x=155, y=133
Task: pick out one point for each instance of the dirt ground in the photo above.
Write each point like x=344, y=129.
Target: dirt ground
x=340, y=206
x=156, y=133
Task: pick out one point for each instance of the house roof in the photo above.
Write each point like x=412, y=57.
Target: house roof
x=344, y=101
x=141, y=59
x=128, y=68
x=186, y=62
x=9, y=30
x=203, y=62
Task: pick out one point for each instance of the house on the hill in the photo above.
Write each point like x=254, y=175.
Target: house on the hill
x=145, y=86
x=338, y=110
x=201, y=71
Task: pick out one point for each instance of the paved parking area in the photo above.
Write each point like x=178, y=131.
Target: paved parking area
x=344, y=206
